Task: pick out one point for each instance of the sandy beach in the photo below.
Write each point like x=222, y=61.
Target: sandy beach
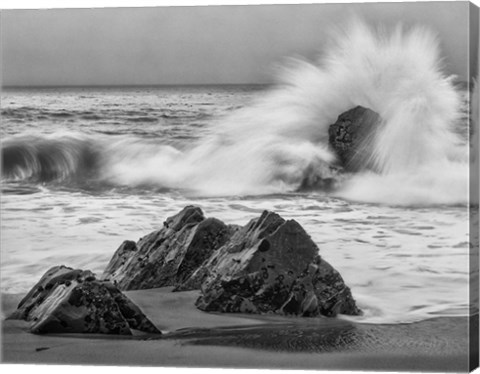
x=192, y=338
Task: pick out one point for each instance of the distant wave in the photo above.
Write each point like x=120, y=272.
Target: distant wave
x=146, y=115
x=280, y=143
x=48, y=159
x=143, y=119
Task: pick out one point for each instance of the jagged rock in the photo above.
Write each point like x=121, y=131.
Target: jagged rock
x=351, y=137
x=271, y=265
x=67, y=300
x=169, y=256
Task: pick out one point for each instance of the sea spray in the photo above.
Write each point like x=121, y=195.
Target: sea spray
x=271, y=145
x=419, y=156
x=279, y=143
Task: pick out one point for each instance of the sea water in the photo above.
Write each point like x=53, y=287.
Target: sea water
x=85, y=168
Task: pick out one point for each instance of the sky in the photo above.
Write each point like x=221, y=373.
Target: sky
x=196, y=45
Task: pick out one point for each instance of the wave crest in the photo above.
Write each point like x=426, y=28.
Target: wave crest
x=48, y=159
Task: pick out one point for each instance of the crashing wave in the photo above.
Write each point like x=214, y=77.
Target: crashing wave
x=280, y=143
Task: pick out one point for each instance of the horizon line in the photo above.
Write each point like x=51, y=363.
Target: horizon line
x=10, y=86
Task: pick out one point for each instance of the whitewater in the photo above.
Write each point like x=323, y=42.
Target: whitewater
x=85, y=168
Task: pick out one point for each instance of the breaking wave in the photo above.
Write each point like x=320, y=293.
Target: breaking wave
x=48, y=159
x=280, y=143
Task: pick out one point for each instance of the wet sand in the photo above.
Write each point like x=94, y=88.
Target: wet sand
x=196, y=339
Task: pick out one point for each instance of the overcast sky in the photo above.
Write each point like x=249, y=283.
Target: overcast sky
x=195, y=45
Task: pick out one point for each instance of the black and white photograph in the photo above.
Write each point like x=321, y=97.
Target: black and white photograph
x=256, y=186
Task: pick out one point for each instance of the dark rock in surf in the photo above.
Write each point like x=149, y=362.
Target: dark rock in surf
x=271, y=265
x=351, y=137
x=167, y=257
x=67, y=300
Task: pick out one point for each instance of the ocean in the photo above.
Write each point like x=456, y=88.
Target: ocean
x=403, y=263
x=85, y=168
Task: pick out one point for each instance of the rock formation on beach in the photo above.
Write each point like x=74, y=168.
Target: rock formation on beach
x=167, y=257
x=66, y=300
x=269, y=265
x=351, y=136
x=272, y=265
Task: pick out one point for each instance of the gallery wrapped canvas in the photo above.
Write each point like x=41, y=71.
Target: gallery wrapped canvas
x=250, y=186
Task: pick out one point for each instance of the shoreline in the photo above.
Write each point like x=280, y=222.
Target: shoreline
x=193, y=338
